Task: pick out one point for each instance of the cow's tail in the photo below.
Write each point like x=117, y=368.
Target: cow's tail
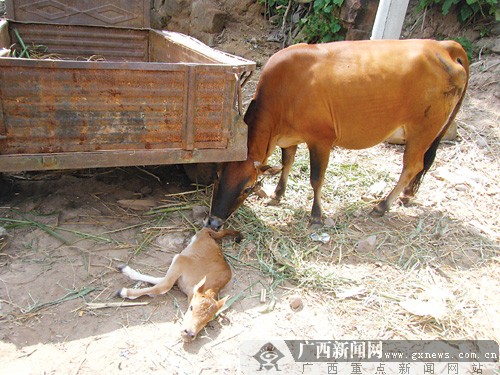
x=251, y=113
x=458, y=56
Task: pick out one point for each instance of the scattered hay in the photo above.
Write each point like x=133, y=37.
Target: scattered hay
x=31, y=311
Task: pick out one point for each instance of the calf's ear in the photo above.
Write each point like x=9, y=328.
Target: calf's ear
x=198, y=287
x=221, y=303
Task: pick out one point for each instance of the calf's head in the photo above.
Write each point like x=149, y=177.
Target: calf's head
x=202, y=309
x=235, y=183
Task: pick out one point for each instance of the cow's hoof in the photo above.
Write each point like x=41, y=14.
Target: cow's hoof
x=378, y=211
x=316, y=223
x=405, y=200
x=315, y=226
x=122, y=293
x=272, y=202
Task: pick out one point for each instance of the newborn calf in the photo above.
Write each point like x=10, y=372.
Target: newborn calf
x=200, y=271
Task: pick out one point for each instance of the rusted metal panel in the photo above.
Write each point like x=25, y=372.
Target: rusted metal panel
x=3, y=129
x=163, y=49
x=83, y=42
x=4, y=50
x=116, y=13
x=211, y=107
x=75, y=109
x=236, y=150
x=188, y=135
x=179, y=48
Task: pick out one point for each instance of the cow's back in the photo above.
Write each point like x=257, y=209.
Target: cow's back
x=357, y=93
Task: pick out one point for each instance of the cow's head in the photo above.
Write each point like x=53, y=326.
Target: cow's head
x=202, y=309
x=235, y=183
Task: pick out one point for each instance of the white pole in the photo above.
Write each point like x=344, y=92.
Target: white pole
x=389, y=19
x=388, y=25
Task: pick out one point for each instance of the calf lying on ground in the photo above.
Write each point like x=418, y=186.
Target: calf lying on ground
x=200, y=271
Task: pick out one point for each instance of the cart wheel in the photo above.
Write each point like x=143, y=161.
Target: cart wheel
x=201, y=173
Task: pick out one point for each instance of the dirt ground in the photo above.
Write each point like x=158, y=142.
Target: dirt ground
x=66, y=231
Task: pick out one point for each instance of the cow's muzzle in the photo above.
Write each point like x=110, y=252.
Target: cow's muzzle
x=213, y=222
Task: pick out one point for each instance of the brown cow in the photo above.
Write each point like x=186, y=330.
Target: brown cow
x=200, y=271
x=352, y=95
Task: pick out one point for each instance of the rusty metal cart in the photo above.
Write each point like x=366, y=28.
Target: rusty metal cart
x=110, y=91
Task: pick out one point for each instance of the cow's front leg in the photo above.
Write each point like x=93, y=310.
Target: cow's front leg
x=287, y=159
x=319, y=155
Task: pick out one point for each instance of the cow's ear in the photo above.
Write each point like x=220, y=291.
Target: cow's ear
x=197, y=288
x=267, y=170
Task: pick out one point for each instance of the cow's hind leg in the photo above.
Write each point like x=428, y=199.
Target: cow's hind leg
x=162, y=284
x=412, y=165
x=418, y=157
x=419, y=154
x=287, y=159
x=411, y=189
x=429, y=157
x=319, y=155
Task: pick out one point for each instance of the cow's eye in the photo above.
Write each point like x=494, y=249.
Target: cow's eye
x=191, y=307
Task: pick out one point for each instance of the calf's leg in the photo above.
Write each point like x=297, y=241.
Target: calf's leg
x=162, y=284
x=137, y=276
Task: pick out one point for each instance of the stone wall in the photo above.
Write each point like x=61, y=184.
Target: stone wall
x=357, y=17
x=202, y=19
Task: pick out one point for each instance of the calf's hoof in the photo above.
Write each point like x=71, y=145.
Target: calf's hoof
x=122, y=293
x=121, y=267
